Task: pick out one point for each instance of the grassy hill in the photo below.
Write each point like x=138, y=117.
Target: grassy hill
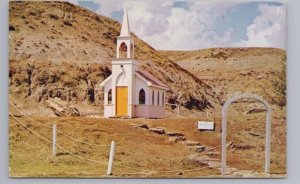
x=229, y=70
x=61, y=50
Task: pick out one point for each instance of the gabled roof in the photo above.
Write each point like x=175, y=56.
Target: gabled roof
x=145, y=76
x=153, y=81
x=105, y=81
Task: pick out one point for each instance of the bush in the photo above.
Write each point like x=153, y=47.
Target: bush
x=52, y=16
x=67, y=23
x=12, y=28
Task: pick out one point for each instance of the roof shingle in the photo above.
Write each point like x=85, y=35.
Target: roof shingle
x=149, y=77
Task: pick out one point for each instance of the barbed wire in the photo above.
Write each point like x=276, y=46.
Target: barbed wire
x=37, y=134
x=82, y=158
x=83, y=142
x=97, y=161
x=67, y=136
x=42, y=124
x=49, y=141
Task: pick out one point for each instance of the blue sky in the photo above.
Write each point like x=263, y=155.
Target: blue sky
x=192, y=25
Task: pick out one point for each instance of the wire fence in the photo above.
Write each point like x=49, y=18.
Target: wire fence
x=62, y=133
x=119, y=164
x=50, y=142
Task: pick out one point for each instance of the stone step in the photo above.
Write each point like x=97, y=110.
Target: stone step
x=157, y=130
x=176, y=139
x=192, y=143
x=198, y=149
x=144, y=126
x=175, y=134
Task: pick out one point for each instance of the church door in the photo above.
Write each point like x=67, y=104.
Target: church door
x=122, y=100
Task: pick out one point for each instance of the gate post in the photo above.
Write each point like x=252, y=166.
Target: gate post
x=268, y=128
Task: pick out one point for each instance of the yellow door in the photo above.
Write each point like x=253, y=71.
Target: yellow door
x=122, y=102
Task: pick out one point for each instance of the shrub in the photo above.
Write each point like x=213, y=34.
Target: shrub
x=67, y=23
x=12, y=28
x=52, y=16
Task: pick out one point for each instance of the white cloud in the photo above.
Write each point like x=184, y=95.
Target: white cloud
x=268, y=29
x=173, y=28
x=166, y=27
x=108, y=7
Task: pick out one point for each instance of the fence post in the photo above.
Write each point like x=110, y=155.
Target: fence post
x=178, y=109
x=111, y=157
x=54, y=140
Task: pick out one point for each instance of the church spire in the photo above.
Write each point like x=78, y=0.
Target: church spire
x=125, y=30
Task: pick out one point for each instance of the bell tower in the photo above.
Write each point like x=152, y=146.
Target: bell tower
x=124, y=67
x=125, y=44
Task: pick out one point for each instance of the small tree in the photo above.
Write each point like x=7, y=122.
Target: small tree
x=279, y=85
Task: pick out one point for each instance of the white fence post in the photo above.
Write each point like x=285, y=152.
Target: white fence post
x=111, y=157
x=178, y=109
x=54, y=140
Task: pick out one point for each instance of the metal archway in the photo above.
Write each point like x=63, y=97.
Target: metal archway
x=268, y=127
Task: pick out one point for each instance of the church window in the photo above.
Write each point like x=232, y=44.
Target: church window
x=158, y=98
x=153, y=97
x=109, y=97
x=142, y=97
x=123, y=50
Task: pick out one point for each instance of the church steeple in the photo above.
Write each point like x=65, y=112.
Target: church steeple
x=125, y=44
x=125, y=30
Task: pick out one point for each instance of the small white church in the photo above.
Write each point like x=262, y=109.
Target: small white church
x=129, y=91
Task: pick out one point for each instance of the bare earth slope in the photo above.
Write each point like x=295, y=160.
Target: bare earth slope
x=229, y=70
x=61, y=50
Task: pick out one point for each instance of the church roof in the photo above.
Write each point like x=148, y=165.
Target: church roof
x=150, y=78
x=125, y=30
x=102, y=84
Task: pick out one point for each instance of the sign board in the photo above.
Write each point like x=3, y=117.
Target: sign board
x=206, y=125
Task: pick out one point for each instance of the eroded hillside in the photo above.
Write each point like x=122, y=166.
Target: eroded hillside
x=61, y=50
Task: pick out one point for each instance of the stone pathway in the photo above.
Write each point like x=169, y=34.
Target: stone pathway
x=197, y=147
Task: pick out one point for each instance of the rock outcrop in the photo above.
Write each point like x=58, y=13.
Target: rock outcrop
x=61, y=108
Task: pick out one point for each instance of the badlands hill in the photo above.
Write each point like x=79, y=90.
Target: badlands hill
x=58, y=49
x=229, y=70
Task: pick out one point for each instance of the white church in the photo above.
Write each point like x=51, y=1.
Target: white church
x=129, y=91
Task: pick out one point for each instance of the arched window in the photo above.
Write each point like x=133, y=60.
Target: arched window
x=123, y=50
x=163, y=99
x=109, y=96
x=158, y=98
x=153, y=97
x=142, y=97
